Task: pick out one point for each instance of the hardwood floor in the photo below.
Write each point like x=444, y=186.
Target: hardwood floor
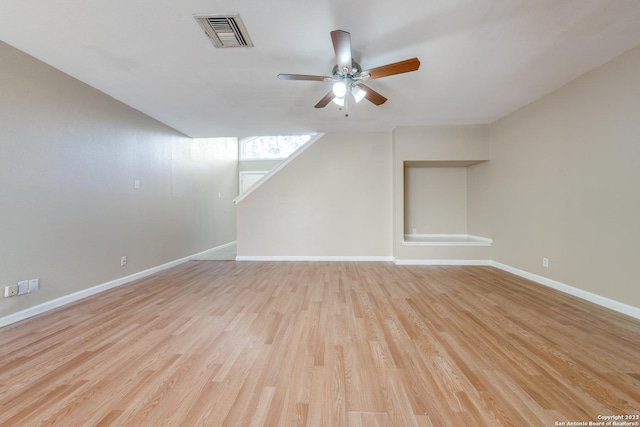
x=321, y=344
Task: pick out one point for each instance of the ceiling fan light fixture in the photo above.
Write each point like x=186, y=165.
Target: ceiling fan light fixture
x=339, y=101
x=339, y=89
x=358, y=93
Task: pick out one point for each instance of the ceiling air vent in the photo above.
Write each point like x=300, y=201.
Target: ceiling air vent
x=224, y=30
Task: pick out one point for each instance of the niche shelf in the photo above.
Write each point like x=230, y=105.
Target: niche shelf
x=445, y=240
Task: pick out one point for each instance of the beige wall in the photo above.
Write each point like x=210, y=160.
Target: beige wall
x=435, y=200
x=441, y=143
x=69, y=156
x=334, y=199
x=564, y=183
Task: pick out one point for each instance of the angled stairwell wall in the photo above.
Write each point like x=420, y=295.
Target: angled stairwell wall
x=333, y=201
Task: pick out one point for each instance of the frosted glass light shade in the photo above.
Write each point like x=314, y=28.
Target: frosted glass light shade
x=358, y=93
x=339, y=89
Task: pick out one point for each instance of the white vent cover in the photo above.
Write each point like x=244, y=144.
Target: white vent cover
x=224, y=30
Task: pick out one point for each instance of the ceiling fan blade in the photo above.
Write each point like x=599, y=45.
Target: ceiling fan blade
x=326, y=100
x=342, y=47
x=372, y=95
x=391, y=69
x=304, y=77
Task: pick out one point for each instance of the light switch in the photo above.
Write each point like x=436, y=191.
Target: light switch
x=23, y=287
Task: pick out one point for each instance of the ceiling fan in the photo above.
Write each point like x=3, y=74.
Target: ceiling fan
x=348, y=76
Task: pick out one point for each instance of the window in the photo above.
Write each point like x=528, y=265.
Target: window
x=271, y=147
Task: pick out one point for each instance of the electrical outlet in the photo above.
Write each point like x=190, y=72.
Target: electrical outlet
x=415, y=231
x=23, y=287
x=136, y=184
x=123, y=261
x=10, y=290
x=34, y=285
x=545, y=262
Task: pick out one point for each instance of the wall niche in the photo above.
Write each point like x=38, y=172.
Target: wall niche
x=435, y=197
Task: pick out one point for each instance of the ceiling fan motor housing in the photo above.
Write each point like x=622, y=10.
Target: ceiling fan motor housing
x=341, y=74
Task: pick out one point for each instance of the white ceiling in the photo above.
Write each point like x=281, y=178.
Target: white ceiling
x=481, y=59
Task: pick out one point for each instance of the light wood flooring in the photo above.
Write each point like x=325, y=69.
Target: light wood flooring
x=211, y=343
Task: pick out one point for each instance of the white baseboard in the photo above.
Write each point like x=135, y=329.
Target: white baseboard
x=67, y=299
x=562, y=287
x=315, y=258
x=442, y=262
x=226, y=245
